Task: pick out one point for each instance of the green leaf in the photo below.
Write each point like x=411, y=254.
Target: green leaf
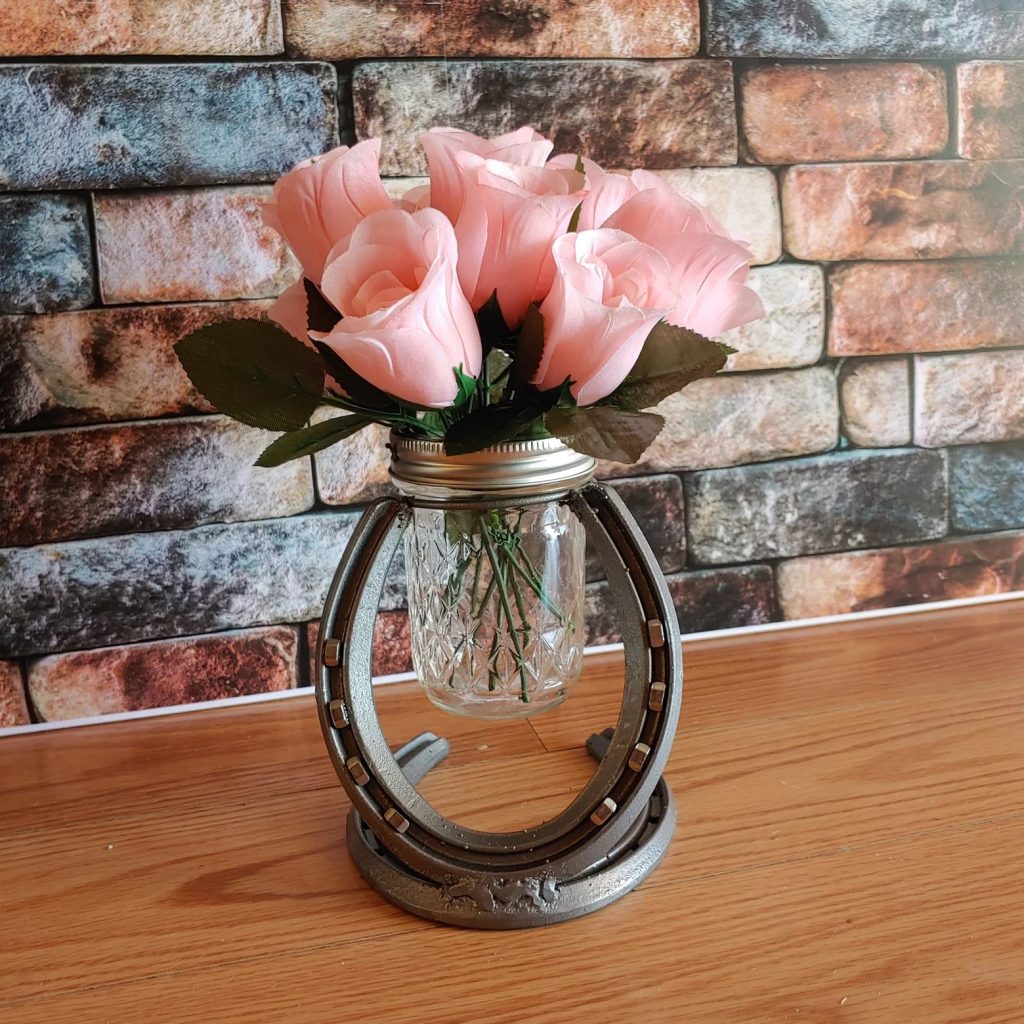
x=489, y=425
x=307, y=440
x=320, y=314
x=359, y=389
x=254, y=372
x=574, y=220
x=605, y=433
x=530, y=348
x=672, y=357
x=494, y=332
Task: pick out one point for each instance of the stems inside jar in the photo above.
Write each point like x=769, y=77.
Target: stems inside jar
x=494, y=553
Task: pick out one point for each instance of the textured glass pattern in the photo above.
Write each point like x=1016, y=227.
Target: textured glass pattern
x=496, y=606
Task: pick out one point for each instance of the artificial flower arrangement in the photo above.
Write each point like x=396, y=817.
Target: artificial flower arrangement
x=514, y=296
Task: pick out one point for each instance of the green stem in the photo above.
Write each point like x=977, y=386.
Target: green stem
x=507, y=608
x=530, y=575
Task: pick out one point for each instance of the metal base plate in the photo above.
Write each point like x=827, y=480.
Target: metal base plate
x=521, y=902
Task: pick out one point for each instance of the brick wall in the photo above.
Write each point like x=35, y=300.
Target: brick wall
x=866, y=449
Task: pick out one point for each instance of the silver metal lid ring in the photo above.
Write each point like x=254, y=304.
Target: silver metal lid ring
x=523, y=468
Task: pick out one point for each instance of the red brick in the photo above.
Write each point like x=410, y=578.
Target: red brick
x=392, y=644
x=354, y=29
x=865, y=580
x=58, y=485
x=990, y=98
x=45, y=27
x=880, y=308
x=797, y=113
x=164, y=673
x=13, y=708
x=102, y=364
x=182, y=245
x=892, y=211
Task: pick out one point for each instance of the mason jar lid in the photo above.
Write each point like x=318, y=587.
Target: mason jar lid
x=527, y=468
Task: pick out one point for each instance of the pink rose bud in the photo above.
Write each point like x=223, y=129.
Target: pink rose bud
x=406, y=324
x=318, y=204
x=608, y=294
x=289, y=311
x=521, y=148
x=510, y=218
x=708, y=268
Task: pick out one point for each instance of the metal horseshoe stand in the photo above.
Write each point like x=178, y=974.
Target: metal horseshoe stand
x=601, y=846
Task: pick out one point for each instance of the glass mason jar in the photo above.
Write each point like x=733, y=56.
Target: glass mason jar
x=495, y=569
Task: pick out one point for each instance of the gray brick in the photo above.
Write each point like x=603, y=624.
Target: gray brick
x=115, y=590
x=46, y=256
x=743, y=417
x=968, y=398
x=852, y=499
x=986, y=486
x=839, y=28
x=108, y=126
x=706, y=600
x=619, y=113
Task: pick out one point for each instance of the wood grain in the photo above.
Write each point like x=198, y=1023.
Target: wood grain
x=852, y=816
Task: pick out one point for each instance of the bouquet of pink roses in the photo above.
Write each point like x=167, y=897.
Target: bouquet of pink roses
x=515, y=296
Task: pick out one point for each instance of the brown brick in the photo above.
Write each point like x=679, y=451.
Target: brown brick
x=991, y=109
x=866, y=580
x=56, y=27
x=620, y=113
x=392, y=645
x=797, y=113
x=874, y=399
x=968, y=398
x=102, y=364
x=355, y=29
x=723, y=598
x=737, y=418
x=181, y=245
x=64, y=484
x=878, y=308
x=893, y=211
x=81, y=684
x=13, y=708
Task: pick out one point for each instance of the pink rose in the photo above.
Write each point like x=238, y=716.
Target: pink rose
x=289, y=311
x=608, y=294
x=521, y=148
x=708, y=268
x=319, y=203
x=406, y=324
x=510, y=218
x=607, y=190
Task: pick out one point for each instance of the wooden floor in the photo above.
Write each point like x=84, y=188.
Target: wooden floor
x=850, y=849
